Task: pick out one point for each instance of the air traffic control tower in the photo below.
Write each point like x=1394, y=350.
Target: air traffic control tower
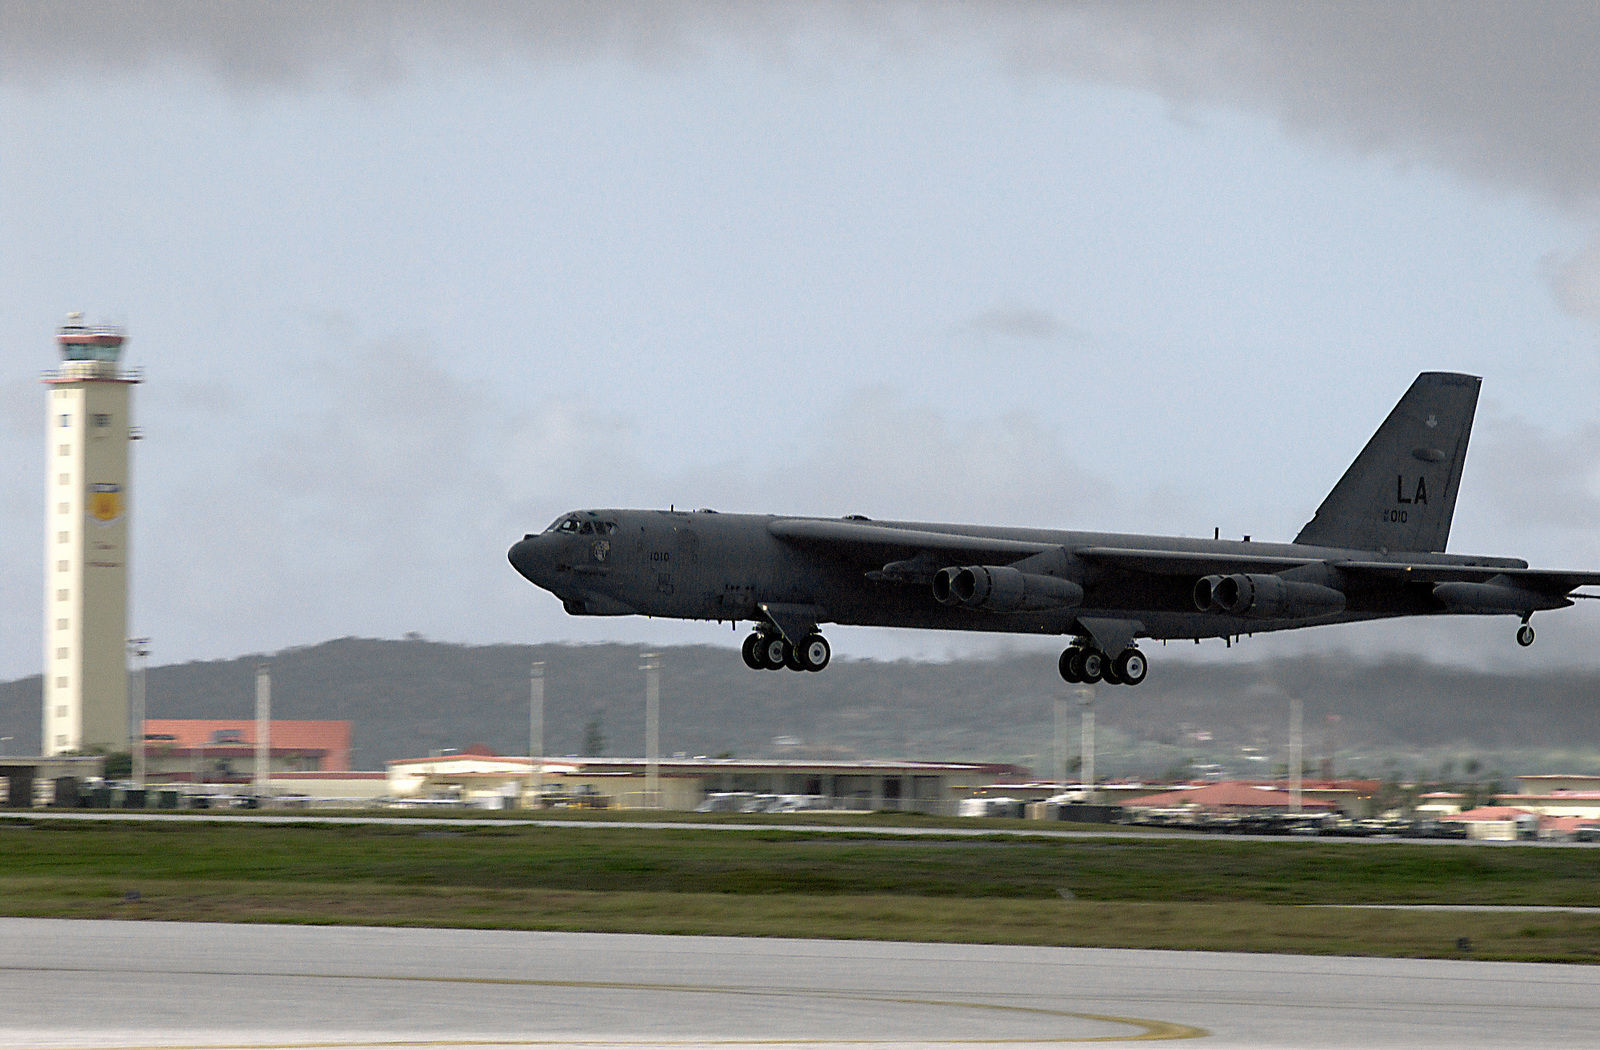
x=86, y=542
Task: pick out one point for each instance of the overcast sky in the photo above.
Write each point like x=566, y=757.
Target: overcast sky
x=410, y=280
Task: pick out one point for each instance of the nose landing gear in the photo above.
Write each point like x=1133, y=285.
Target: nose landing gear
x=763, y=651
x=1086, y=664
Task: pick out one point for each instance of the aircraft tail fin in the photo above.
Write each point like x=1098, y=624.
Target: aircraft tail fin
x=1400, y=493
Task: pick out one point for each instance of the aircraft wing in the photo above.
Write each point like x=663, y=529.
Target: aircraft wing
x=1546, y=581
x=880, y=540
x=1187, y=563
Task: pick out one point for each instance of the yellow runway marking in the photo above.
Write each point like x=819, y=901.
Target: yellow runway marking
x=1149, y=1029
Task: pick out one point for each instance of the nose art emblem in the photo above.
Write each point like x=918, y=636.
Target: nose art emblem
x=1433, y=421
x=601, y=549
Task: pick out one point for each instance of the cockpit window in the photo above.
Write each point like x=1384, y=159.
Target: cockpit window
x=571, y=526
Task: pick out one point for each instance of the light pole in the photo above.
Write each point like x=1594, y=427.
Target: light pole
x=652, y=729
x=263, y=732
x=1294, y=754
x=1086, y=701
x=139, y=649
x=1061, y=742
x=536, y=732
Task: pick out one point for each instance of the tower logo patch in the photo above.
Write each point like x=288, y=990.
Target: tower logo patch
x=105, y=503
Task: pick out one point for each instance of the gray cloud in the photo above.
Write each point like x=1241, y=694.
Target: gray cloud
x=1496, y=91
x=1574, y=280
x=1540, y=478
x=1023, y=322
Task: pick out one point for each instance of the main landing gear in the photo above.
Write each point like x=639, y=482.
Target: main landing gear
x=770, y=652
x=1082, y=663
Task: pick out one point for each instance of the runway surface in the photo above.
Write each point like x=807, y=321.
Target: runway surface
x=68, y=983
x=887, y=830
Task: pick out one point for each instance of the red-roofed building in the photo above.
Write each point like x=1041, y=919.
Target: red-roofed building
x=223, y=750
x=1229, y=796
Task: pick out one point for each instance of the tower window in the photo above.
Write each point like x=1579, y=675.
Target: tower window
x=61, y=624
x=61, y=595
x=61, y=566
x=101, y=419
x=61, y=683
x=66, y=450
x=61, y=711
x=63, y=537
x=62, y=508
x=65, y=478
x=61, y=740
x=61, y=653
x=66, y=419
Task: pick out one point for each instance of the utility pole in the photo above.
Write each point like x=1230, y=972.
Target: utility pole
x=263, y=730
x=652, y=730
x=1061, y=741
x=139, y=649
x=536, y=733
x=1294, y=754
x=1086, y=701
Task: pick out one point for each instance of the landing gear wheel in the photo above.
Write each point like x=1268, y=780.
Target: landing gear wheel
x=1094, y=665
x=1069, y=672
x=814, y=653
x=774, y=652
x=1131, y=666
x=791, y=658
x=751, y=651
x=1525, y=635
x=1108, y=672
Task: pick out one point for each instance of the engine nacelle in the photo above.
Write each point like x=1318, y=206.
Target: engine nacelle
x=1490, y=598
x=1263, y=596
x=1000, y=588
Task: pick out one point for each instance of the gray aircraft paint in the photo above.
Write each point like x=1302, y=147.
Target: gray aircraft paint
x=1411, y=469
x=1377, y=540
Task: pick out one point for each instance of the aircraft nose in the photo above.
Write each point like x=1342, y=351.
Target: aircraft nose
x=525, y=557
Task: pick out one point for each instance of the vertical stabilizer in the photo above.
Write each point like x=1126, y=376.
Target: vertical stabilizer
x=1400, y=493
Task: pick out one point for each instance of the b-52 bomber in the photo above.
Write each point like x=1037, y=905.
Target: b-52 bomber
x=1373, y=550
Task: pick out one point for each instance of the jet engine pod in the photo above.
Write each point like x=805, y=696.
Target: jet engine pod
x=943, y=592
x=1205, y=594
x=1264, y=596
x=1000, y=588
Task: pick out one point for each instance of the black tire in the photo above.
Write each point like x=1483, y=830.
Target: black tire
x=1094, y=663
x=1131, y=666
x=1075, y=662
x=752, y=657
x=791, y=658
x=774, y=653
x=1064, y=665
x=1525, y=635
x=1108, y=672
x=815, y=652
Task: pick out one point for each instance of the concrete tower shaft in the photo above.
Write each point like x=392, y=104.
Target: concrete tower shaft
x=88, y=428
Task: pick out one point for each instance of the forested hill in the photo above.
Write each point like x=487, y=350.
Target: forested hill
x=409, y=697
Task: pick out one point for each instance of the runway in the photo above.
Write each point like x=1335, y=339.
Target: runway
x=66, y=983
x=1044, y=831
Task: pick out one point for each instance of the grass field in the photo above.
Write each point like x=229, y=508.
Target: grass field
x=1174, y=893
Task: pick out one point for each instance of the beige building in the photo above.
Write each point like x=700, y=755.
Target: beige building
x=86, y=542
x=477, y=775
